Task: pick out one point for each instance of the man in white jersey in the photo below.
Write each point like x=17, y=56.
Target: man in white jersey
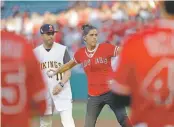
x=52, y=55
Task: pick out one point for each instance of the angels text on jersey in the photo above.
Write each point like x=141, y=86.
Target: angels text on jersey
x=99, y=60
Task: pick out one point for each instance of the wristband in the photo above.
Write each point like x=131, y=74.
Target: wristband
x=61, y=84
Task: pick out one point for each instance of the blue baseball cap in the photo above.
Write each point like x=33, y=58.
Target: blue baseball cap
x=47, y=28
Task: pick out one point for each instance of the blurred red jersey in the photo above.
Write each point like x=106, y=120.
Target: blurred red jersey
x=146, y=72
x=22, y=83
x=97, y=65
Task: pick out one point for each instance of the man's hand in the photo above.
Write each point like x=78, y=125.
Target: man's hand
x=51, y=73
x=57, y=89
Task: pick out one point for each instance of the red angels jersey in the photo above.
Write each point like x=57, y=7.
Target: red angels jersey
x=146, y=71
x=97, y=65
x=21, y=82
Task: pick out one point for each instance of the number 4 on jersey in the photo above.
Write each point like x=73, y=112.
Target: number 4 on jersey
x=159, y=82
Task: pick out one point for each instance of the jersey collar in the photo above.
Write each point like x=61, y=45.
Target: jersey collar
x=89, y=53
x=50, y=48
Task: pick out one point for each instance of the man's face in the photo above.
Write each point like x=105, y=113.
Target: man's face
x=48, y=38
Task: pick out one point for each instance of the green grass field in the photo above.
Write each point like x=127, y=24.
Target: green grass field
x=79, y=110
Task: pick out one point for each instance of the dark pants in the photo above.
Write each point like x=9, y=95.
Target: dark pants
x=95, y=105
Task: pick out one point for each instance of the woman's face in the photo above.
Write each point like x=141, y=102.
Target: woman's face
x=91, y=38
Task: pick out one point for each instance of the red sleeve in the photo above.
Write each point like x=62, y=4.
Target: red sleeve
x=35, y=84
x=77, y=57
x=121, y=79
x=111, y=49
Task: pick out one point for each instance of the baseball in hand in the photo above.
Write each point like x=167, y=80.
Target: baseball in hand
x=50, y=73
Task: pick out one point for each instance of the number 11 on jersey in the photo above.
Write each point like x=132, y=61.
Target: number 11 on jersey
x=59, y=76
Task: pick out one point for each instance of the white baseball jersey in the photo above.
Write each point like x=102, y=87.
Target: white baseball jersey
x=52, y=59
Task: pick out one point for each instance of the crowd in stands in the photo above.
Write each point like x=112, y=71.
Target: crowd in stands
x=114, y=21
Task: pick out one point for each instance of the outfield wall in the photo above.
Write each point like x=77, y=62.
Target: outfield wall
x=79, y=86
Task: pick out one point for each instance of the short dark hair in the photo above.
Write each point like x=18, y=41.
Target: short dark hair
x=86, y=28
x=169, y=7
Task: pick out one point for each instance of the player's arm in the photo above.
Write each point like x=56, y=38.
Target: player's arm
x=35, y=84
x=62, y=69
x=67, y=73
x=116, y=87
x=121, y=80
x=67, y=66
x=118, y=81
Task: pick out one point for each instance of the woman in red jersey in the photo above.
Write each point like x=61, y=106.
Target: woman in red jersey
x=96, y=61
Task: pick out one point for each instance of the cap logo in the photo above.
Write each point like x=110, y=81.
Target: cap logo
x=50, y=28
